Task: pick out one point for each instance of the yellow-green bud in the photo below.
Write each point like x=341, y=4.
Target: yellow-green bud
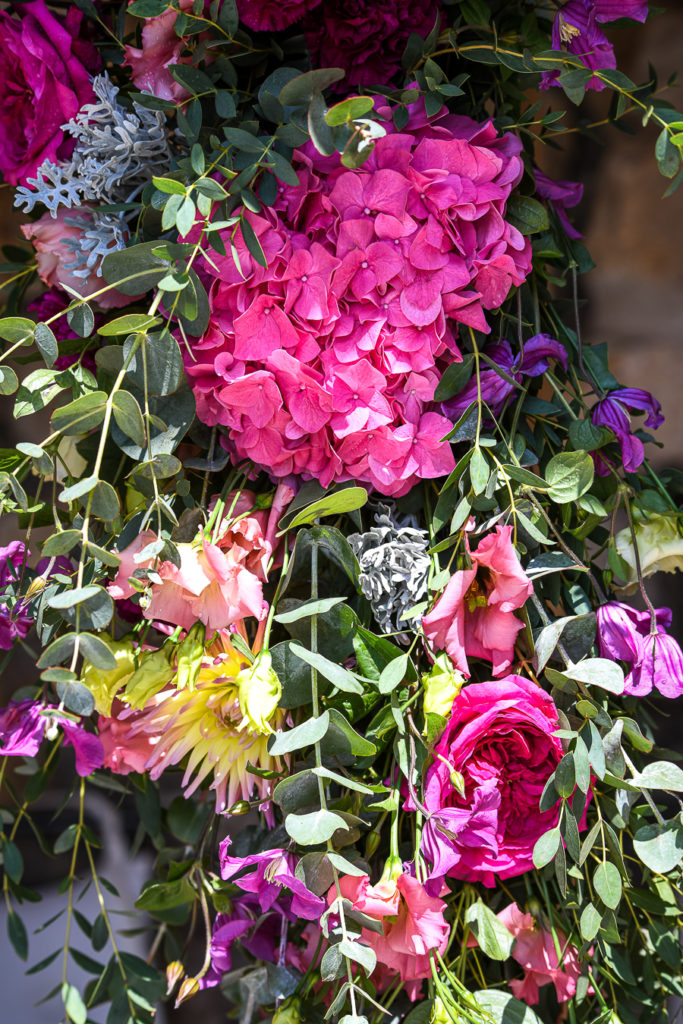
x=154, y=671
x=259, y=691
x=174, y=972
x=441, y=686
x=189, y=654
x=188, y=988
x=288, y=1013
x=440, y=1014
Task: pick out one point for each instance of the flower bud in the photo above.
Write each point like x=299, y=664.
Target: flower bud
x=189, y=654
x=188, y=988
x=660, y=546
x=441, y=686
x=288, y=1013
x=440, y=1014
x=259, y=691
x=174, y=972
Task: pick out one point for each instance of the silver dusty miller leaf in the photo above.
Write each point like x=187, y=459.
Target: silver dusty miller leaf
x=394, y=568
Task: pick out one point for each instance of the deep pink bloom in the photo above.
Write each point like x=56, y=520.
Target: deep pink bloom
x=273, y=15
x=412, y=921
x=45, y=78
x=563, y=195
x=613, y=412
x=536, y=952
x=49, y=304
x=272, y=881
x=474, y=617
x=654, y=658
x=500, y=739
x=23, y=725
x=324, y=363
x=366, y=39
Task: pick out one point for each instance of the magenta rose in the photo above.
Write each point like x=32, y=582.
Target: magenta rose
x=366, y=39
x=273, y=15
x=500, y=738
x=45, y=78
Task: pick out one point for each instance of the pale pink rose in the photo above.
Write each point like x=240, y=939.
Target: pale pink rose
x=124, y=750
x=535, y=951
x=413, y=924
x=49, y=235
x=474, y=617
x=160, y=48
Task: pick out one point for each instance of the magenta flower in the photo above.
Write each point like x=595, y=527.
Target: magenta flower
x=576, y=29
x=23, y=724
x=474, y=617
x=495, y=390
x=45, y=78
x=324, y=363
x=563, y=195
x=15, y=623
x=272, y=881
x=273, y=15
x=259, y=935
x=366, y=39
x=613, y=412
x=655, y=659
x=500, y=739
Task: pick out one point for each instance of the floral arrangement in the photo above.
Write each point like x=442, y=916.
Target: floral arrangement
x=325, y=558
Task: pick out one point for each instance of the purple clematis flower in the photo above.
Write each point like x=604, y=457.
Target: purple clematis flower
x=563, y=195
x=273, y=881
x=23, y=724
x=258, y=934
x=14, y=623
x=613, y=412
x=576, y=29
x=495, y=390
x=449, y=830
x=655, y=658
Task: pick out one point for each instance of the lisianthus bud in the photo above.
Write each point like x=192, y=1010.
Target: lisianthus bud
x=440, y=1014
x=441, y=686
x=174, y=972
x=660, y=546
x=189, y=655
x=288, y=1013
x=188, y=988
x=259, y=692
x=105, y=684
x=154, y=671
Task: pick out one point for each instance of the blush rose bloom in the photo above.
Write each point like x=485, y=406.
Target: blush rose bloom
x=412, y=921
x=535, y=951
x=49, y=236
x=500, y=740
x=474, y=617
x=45, y=71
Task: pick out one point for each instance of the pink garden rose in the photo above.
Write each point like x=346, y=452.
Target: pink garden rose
x=45, y=70
x=273, y=15
x=500, y=739
x=366, y=39
x=474, y=617
x=49, y=236
x=535, y=951
x=412, y=921
x=324, y=363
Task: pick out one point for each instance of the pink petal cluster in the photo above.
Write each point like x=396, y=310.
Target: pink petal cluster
x=161, y=47
x=125, y=750
x=536, y=952
x=474, y=617
x=324, y=364
x=500, y=739
x=412, y=921
x=217, y=584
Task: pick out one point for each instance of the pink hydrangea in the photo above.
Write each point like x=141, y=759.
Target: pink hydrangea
x=324, y=363
x=474, y=617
